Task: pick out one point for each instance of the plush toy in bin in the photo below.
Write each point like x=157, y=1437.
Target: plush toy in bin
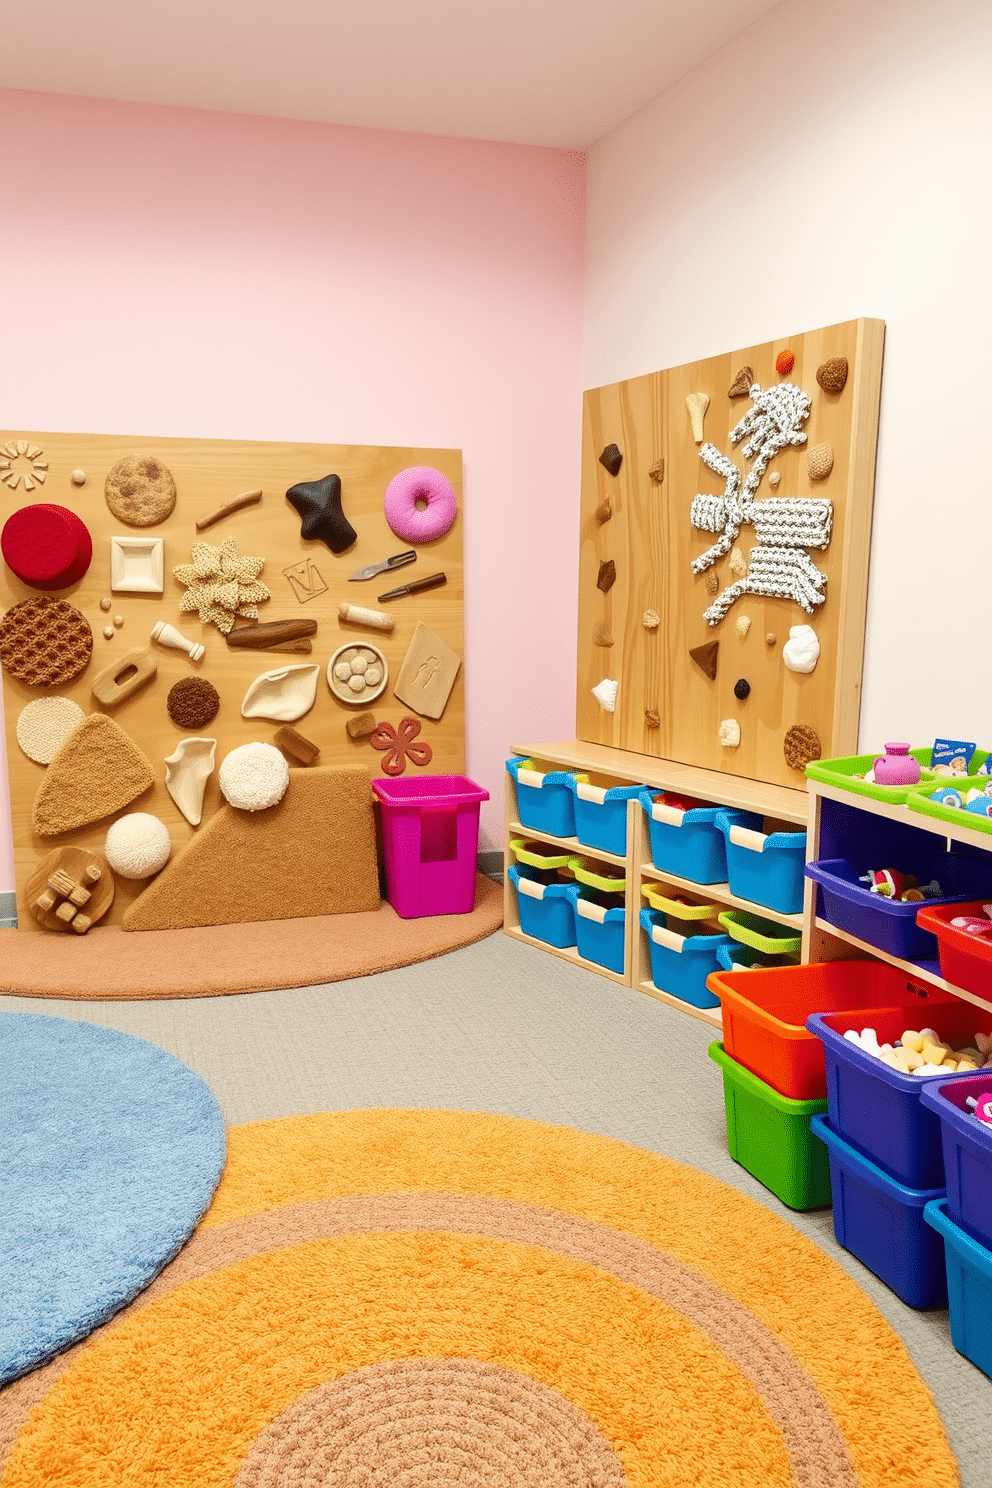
x=892, y=884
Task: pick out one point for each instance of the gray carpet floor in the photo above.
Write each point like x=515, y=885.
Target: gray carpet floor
x=502, y=1027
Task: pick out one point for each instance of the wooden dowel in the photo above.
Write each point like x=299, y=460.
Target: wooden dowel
x=271, y=633
x=357, y=615
x=247, y=498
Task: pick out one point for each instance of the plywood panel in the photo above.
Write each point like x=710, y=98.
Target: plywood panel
x=652, y=543
x=208, y=473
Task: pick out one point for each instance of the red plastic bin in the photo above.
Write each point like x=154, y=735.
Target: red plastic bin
x=430, y=834
x=965, y=960
x=765, y=1012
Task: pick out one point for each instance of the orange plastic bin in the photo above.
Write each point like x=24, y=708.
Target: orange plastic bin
x=765, y=1011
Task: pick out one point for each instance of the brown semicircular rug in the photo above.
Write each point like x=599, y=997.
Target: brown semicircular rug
x=211, y=960
x=414, y=1297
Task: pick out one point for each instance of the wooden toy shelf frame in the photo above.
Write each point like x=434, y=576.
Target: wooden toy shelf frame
x=608, y=767
x=821, y=941
x=209, y=472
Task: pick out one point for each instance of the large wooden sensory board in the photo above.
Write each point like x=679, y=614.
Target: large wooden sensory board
x=207, y=473
x=652, y=543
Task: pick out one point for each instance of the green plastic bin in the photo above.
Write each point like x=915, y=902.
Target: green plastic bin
x=769, y=1135
x=919, y=800
x=841, y=772
x=761, y=935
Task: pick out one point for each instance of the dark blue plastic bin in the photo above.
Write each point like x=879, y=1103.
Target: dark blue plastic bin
x=601, y=815
x=969, y=1287
x=876, y=1108
x=599, y=932
x=882, y=1223
x=766, y=868
x=889, y=924
x=545, y=908
x=545, y=798
x=967, y=1145
x=680, y=964
x=689, y=843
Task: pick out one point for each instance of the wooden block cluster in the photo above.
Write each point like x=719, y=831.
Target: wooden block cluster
x=73, y=894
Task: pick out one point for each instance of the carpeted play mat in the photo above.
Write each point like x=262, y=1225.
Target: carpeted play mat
x=209, y=960
x=110, y=1150
x=429, y=1297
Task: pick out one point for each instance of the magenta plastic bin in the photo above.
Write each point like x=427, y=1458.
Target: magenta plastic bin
x=430, y=835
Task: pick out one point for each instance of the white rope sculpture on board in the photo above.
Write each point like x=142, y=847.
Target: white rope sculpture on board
x=783, y=526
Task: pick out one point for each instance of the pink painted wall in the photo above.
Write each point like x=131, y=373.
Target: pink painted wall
x=173, y=272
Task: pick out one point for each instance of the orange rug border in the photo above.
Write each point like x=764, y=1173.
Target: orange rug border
x=113, y=965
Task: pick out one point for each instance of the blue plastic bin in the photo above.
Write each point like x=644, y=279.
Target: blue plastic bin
x=737, y=957
x=969, y=1287
x=601, y=815
x=877, y=1109
x=766, y=868
x=545, y=908
x=967, y=1146
x=599, y=931
x=688, y=843
x=680, y=964
x=882, y=1223
x=545, y=799
x=886, y=923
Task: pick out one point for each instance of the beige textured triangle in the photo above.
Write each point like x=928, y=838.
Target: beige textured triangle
x=98, y=771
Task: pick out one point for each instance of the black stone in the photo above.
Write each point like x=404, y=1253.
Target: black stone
x=741, y=688
x=319, y=504
x=611, y=458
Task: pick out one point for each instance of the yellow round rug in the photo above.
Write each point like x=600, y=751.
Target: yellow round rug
x=385, y=1297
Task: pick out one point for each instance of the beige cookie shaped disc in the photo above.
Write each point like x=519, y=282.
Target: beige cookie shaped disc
x=45, y=642
x=140, y=490
x=45, y=724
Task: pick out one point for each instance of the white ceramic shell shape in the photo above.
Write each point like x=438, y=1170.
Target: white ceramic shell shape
x=186, y=774
x=285, y=694
x=801, y=651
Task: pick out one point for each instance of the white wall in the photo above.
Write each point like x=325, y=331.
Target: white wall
x=833, y=162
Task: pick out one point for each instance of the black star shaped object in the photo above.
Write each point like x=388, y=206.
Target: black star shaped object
x=319, y=504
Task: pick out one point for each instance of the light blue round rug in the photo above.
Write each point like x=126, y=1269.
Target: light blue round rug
x=110, y=1150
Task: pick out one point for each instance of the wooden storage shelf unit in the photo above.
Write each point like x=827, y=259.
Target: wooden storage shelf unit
x=609, y=767
x=824, y=941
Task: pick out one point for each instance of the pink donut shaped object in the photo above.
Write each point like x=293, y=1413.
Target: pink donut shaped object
x=420, y=483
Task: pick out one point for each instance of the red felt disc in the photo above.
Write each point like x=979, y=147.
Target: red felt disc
x=47, y=546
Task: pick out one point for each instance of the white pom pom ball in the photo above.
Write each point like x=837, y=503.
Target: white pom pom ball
x=137, y=845
x=254, y=776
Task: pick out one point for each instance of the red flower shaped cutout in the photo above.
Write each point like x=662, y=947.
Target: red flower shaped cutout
x=400, y=745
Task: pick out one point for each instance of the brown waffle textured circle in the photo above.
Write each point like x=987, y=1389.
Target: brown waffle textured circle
x=802, y=744
x=425, y=1421
x=45, y=642
x=193, y=702
x=140, y=490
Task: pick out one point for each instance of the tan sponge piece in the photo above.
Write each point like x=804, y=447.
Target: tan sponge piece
x=97, y=771
x=312, y=854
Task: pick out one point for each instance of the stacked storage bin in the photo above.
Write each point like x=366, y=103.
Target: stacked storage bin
x=773, y=1068
x=601, y=815
x=542, y=895
x=964, y=1217
x=685, y=839
x=886, y=1159
x=545, y=798
x=766, y=868
x=681, y=958
x=598, y=899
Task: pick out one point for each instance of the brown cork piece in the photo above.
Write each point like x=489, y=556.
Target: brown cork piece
x=832, y=374
x=193, y=702
x=98, y=771
x=361, y=727
x=604, y=510
x=741, y=385
x=607, y=576
x=312, y=854
x=600, y=635
x=657, y=472
x=801, y=746
x=297, y=746
x=611, y=459
x=652, y=718
x=705, y=657
x=819, y=461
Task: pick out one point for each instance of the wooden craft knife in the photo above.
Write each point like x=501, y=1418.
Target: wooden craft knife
x=397, y=561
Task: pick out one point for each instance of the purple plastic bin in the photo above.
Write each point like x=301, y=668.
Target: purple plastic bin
x=967, y=1145
x=889, y=924
x=430, y=834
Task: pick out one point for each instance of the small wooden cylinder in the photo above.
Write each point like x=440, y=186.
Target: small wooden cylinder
x=356, y=615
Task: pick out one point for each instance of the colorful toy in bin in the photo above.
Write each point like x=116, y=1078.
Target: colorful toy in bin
x=766, y=868
x=545, y=798
x=680, y=964
x=965, y=954
x=892, y=884
x=769, y=1135
x=685, y=839
x=545, y=909
x=896, y=766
